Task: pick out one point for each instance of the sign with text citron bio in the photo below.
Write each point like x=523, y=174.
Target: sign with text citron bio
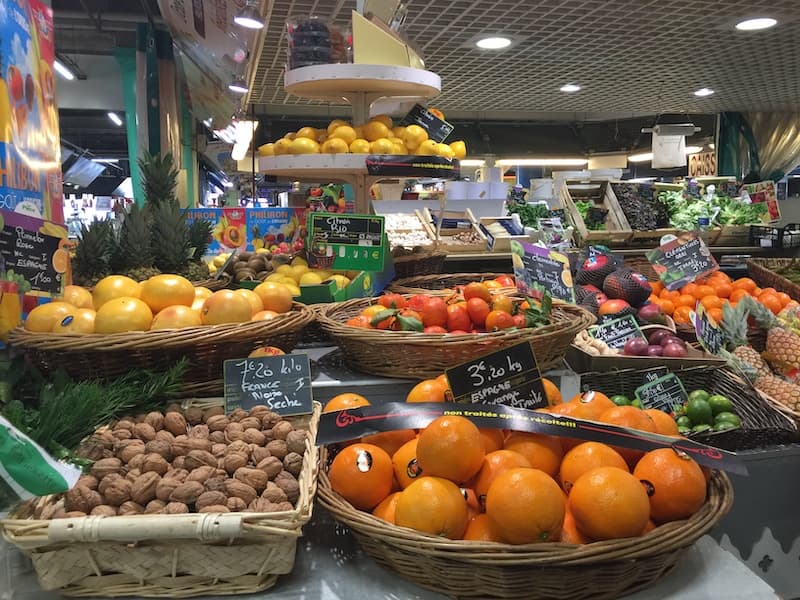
x=282, y=383
x=346, y=242
x=509, y=376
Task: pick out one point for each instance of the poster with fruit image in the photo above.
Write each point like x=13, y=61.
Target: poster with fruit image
x=279, y=230
x=30, y=149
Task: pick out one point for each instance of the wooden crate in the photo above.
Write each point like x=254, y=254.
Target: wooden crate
x=445, y=242
x=651, y=237
x=617, y=231
x=502, y=243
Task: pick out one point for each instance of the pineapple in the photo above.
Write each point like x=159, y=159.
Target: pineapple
x=170, y=238
x=734, y=329
x=160, y=178
x=200, y=237
x=134, y=255
x=783, y=346
x=784, y=392
x=93, y=253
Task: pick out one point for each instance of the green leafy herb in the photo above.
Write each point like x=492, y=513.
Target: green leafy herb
x=529, y=214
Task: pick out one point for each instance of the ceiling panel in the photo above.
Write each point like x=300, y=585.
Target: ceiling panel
x=636, y=56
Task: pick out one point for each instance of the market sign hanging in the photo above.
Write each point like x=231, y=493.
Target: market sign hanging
x=437, y=129
x=540, y=270
x=679, y=262
x=708, y=332
x=31, y=252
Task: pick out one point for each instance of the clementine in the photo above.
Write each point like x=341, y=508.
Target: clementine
x=386, y=508
x=569, y=531
x=632, y=418
x=479, y=529
x=345, y=401
x=493, y=439
x=664, y=424
x=362, y=475
x=390, y=441
x=494, y=464
x=404, y=463
x=428, y=390
x=596, y=402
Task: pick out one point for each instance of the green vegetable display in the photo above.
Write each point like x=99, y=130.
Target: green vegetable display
x=529, y=214
x=593, y=217
x=684, y=211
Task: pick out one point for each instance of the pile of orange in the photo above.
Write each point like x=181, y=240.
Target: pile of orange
x=713, y=292
x=454, y=480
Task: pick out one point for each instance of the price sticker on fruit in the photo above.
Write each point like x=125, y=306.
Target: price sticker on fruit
x=616, y=333
x=680, y=262
x=282, y=383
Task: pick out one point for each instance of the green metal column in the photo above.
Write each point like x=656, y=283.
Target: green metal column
x=126, y=58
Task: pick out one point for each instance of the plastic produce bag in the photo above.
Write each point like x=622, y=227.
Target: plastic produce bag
x=27, y=471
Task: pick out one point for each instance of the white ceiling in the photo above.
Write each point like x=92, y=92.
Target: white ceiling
x=630, y=56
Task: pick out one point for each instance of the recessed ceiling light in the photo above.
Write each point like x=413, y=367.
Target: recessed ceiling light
x=704, y=92
x=756, y=24
x=493, y=43
x=238, y=86
x=570, y=87
x=62, y=70
x=541, y=162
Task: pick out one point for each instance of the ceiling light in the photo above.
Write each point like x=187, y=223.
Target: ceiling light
x=249, y=17
x=493, y=43
x=756, y=24
x=63, y=70
x=238, y=86
x=541, y=162
x=106, y=160
x=472, y=162
x=693, y=149
x=570, y=87
x=643, y=157
x=115, y=119
x=704, y=92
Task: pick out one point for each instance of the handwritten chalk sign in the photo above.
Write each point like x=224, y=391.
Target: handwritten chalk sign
x=541, y=270
x=344, y=241
x=25, y=250
x=509, y=376
x=708, y=332
x=282, y=383
x=680, y=262
x=665, y=393
x=438, y=129
x=617, y=332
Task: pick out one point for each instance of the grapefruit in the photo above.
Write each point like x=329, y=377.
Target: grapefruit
x=226, y=306
x=114, y=286
x=176, y=317
x=161, y=291
x=44, y=317
x=123, y=314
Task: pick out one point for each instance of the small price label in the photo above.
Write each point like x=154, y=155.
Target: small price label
x=665, y=393
x=708, y=332
x=617, y=332
x=509, y=376
x=540, y=270
x=282, y=383
x=351, y=242
x=438, y=129
x=680, y=262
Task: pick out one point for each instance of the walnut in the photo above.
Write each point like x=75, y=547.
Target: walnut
x=241, y=490
x=181, y=446
x=107, y=481
x=155, y=420
x=215, y=508
x=194, y=415
x=133, y=475
x=288, y=483
x=140, y=417
x=250, y=423
x=218, y=450
x=125, y=424
x=254, y=436
x=144, y=488
x=176, y=508
x=233, y=462
x=160, y=447
x=269, y=419
x=261, y=505
x=274, y=494
x=200, y=432
x=81, y=499
x=155, y=463
x=144, y=432
x=165, y=436
x=106, y=466
x=271, y=465
x=278, y=449
x=214, y=411
x=179, y=463
x=104, y=510
x=175, y=423
x=233, y=432
x=217, y=423
x=203, y=444
x=259, y=454
x=296, y=441
x=217, y=437
x=49, y=510
x=136, y=462
x=281, y=429
x=154, y=507
x=88, y=481
x=282, y=506
x=293, y=463
x=216, y=484
x=176, y=473
x=199, y=458
x=122, y=434
x=120, y=445
x=165, y=487
x=255, y=478
x=258, y=411
x=174, y=407
x=130, y=450
x=202, y=474
x=238, y=447
x=210, y=499
x=237, y=415
x=130, y=508
x=73, y=514
x=118, y=492
x=236, y=504
x=187, y=492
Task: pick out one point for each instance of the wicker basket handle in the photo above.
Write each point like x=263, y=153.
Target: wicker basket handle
x=207, y=527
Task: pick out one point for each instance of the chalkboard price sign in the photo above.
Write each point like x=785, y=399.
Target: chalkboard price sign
x=665, y=393
x=542, y=270
x=346, y=241
x=708, y=332
x=509, y=376
x=438, y=129
x=617, y=332
x=30, y=253
x=282, y=383
x=680, y=262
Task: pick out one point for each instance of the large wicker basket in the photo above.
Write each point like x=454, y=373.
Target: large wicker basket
x=92, y=356
x=552, y=571
x=413, y=355
x=765, y=272
x=214, y=283
x=425, y=263
x=170, y=556
x=425, y=284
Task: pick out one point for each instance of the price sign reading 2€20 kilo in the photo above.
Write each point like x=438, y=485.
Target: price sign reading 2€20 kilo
x=509, y=376
x=282, y=383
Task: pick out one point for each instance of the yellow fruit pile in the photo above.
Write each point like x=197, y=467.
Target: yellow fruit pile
x=119, y=304
x=378, y=136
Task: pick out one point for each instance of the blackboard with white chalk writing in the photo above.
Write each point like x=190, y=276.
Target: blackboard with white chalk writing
x=282, y=383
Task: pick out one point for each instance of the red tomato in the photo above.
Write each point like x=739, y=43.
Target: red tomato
x=498, y=319
x=458, y=318
x=433, y=311
x=392, y=301
x=478, y=309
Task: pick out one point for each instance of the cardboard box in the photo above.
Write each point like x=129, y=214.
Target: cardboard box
x=583, y=362
x=502, y=243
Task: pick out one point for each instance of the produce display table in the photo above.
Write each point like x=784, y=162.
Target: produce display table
x=330, y=566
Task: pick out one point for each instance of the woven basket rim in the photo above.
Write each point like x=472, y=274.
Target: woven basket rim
x=416, y=284
x=420, y=256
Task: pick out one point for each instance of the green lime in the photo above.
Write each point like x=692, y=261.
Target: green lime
x=701, y=428
x=728, y=417
x=637, y=403
x=724, y=426
x=699, y=395
x=699, y=411
x=683, y=421
x=621, y=400
x=684, y=430
x=720, y=404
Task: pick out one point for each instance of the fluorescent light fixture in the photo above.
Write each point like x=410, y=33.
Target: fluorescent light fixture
x=249, y=17
x=643, y=157
x=756, y=24
x=704, y=92
x=115, y=119
x=106, y=160
x=238, y=86
x=693, y=149
x=541, y=162
x=640, y=179
x=472, y=162
x=570, y=88
x=493, y=43
x=63, y=70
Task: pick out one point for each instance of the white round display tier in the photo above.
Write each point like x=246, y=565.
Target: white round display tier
x=337, y=81
x=306, y=166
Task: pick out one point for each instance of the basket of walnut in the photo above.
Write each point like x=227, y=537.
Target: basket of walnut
x=187, y=503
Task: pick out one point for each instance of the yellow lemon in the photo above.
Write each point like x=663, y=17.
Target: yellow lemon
x=459, y=149
x=310, y=279
x=398, y=131
x=267, y=150
x=381, y=146
x=284, y=270
x=274, y=277
x=299, y=260
x=445, y=151
x=290, y=136
x=344, y=132
x=359, y=132
x=399, y=149
x=385, y=119
x=336, y=123
x=307, y=132
x=281, y=146
x=413, y=136
x=427, y=148
x=359, y=146
x=303, y=146
x=295, y=291
x=298, y=271
x=375, y=130
x=335, y=146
